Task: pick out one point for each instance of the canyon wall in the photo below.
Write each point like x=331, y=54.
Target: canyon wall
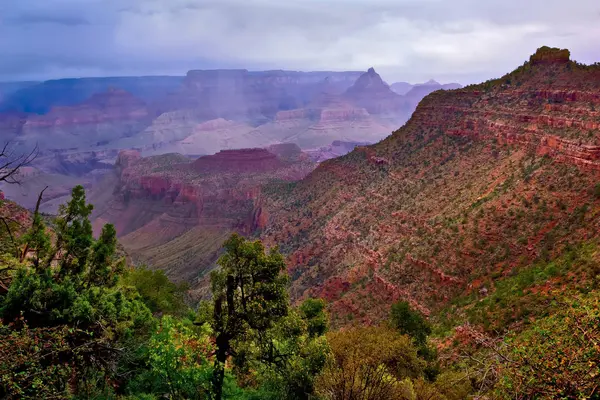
x=174, y=213
x=479, y=182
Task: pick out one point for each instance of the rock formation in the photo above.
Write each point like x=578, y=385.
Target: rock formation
x=175, y=213
x=336, y=149
x=102, y=118
x=373, y=94
x=481, y=181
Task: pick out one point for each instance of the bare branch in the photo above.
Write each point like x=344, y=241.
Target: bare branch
x=11, y=163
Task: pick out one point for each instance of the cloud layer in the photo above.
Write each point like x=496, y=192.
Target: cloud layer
x=412, y=40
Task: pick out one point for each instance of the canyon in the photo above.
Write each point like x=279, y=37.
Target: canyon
x=173, y=212
x=203, y=112
x=481, y=181
x=91, y=119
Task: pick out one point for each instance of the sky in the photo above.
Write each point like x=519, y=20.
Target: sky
x=462, y=41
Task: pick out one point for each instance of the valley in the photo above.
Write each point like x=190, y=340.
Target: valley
x=466, y=192
x=299, y=200
x=467, y=240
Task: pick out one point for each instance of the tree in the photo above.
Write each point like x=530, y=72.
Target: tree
x=157, y=291
x=295, y=354
x=249, y=297
x=410, y=322
x=313, y=312
x=70, y=286
x=369, y=363
x=177, y=365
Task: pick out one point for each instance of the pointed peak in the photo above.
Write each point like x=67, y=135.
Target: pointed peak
x=371, y=71
x=431, y=82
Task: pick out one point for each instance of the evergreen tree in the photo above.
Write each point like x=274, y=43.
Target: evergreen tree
x=68, y=292
x=249, y=297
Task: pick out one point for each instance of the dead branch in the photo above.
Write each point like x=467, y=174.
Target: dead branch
x=10, y=163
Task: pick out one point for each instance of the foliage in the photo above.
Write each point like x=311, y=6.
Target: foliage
x=249, y=297
x=558, y=357
x=410, y=322
x=30, y=363
x=313, y=312
x=296, y=354
x=524, y=293
x=68, y=292
x=177, y=363
x=369, y=363
x=157, y=291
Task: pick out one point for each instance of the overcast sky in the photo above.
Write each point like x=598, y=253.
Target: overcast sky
x=405, y=40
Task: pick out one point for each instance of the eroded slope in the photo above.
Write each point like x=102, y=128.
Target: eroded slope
x=480, y=181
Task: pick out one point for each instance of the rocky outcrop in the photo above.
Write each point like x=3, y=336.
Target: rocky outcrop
x=101, y=119
x=167, y=208
x=336, y=149
x=547, y=55
x=241, y=94
x=238, y=161
x=115, y=104
x=373, y=94
x=126, y=159
x=559, y=123
x=76, y=164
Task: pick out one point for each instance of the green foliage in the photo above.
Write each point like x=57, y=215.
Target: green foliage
x=249, y=297
x=313, y=312
x=511, y=299
x=36, y=240
x=295, y=355
x=157, y=291
x=69, y=293
x=596, y=191
x=177, y=363
x=30, y=362
x=410, y=322
x=77, y=283
x=370, y=363
x=558, y=357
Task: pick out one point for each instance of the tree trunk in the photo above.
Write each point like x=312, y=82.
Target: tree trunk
x=219, y=371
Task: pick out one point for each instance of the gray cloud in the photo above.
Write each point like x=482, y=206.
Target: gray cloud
x=414, y=40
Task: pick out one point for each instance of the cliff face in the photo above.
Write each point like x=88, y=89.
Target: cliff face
x=174, y=213
x=238, y=161
x=102, y=118
x=41, y=97
x=241, y=94
x=480, y=181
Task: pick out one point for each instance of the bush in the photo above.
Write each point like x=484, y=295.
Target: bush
x=410, y=322
x=371, y=362
x=157, y=291
x=558, y=357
